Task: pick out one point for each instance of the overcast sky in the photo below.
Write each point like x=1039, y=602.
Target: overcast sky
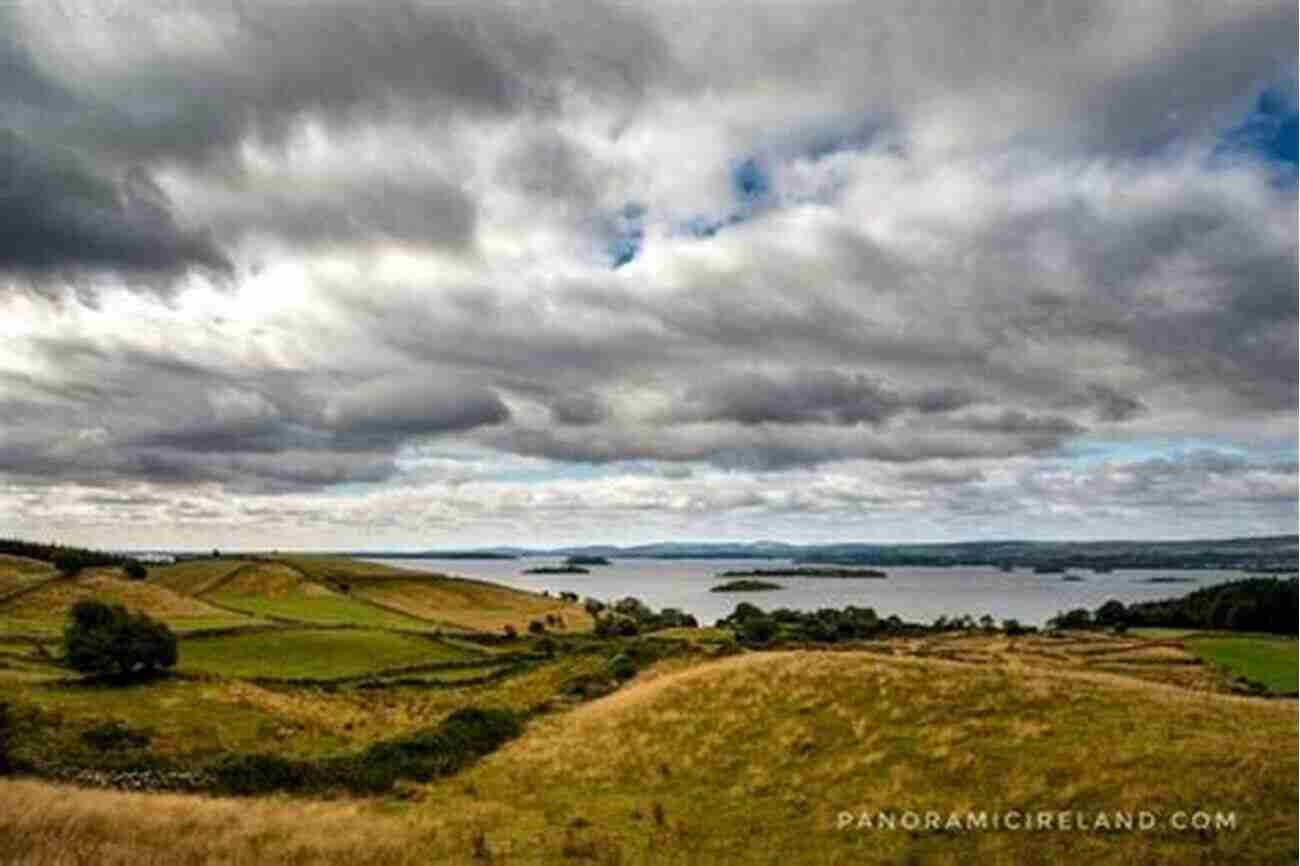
x=360, y=273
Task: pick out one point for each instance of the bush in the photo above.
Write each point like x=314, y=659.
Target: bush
x=1013, y=628
x=463, y=737
x=1077, y=618
x=261, y=774
x=510, y=631
x=758, y=629
x=110, y=736
x=536, y=627
x=135, y=570
x=617, y=625
x=1111, y=613
x=110, y=641
x=68, y=563
x=621, y=667
x=6, y=739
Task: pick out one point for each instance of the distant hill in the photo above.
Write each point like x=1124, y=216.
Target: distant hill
x=1270, y=554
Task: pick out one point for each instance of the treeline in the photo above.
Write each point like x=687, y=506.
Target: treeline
x=752, y=625
x=1257, y=604
x=68, y=560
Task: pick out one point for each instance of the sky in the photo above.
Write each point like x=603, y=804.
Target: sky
x=378, y=273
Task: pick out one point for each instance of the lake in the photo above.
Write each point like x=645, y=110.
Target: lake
x=917, y=594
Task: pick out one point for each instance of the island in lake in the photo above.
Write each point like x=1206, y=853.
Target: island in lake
x=557, y=569
x=746, y=586
x=807, y=571
x=587, y=560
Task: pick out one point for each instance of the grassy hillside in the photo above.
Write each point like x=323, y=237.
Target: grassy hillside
x=45, y=610
x=710, y=754
x=281, y=591
x=308, y=653
x=777, y=745
x=1266, y=660
x=470, y=604
x=193, y=577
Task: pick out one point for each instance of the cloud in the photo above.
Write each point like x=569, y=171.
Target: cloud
x=352, y=258
x=809, y=396
x=59, y=219
x=412, y=406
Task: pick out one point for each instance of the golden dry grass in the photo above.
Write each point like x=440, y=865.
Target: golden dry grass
x=470, y=604
x=50, y=825
x=778, y=743
x=19, y=571
x=750, y=759
x=54, y=601
x=266, y=579
x=193, y=577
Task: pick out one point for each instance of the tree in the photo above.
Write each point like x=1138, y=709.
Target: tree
x=135, y=570
x=111, y=641
x=1111, y=613
x=68, y=563
x=758, y=629
x=622, y=667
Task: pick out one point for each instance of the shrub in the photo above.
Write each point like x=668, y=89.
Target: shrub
x=135, y=570
x=1111, y=613
x=758, y=629
x=617, y=625
x=110, y=641
x=68, y=563
x=6, y=739
x=463, y=737
x=1077, y=618
x=536, y=627
x=1013, y=628
x=510, y=631
x=109, y=736
x=261, y=774
x=621, y=667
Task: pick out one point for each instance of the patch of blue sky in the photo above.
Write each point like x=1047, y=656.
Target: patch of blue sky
x=1267, y=134
x=1085, y=452
x=628, y=235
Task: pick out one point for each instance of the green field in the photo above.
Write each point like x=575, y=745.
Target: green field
x=778, y=743
x=319, y=610
x=193, y=576
x=311, y=653
x=1269, y=661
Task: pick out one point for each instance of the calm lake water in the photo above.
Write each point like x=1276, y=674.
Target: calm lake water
x=915, y=594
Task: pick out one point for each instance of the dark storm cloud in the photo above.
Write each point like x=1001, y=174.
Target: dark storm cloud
x=409, y=405
x=809, y=396
x=58, y=218
x=768, y=448
x=153, y=417
x=261, y=68
x=579, y=410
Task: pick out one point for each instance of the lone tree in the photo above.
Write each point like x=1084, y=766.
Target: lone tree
x=113, y=642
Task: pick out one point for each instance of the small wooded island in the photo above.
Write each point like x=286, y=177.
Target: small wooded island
x=587, y=560
x=557, y=569
x=807, y=571
x=746, y=586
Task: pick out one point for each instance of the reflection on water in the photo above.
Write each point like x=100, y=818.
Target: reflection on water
x=915, y=594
